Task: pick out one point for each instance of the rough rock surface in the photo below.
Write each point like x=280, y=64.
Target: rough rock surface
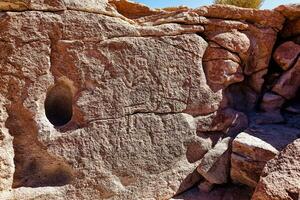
x=214, y=166
x=226, y=121
x=290, y=11
x=280, y=178
x=257, y=80
x=289, y=82
x=94, y=6
x=254, y=147
x=286, y=54
x=133, y=10
x=109, y=99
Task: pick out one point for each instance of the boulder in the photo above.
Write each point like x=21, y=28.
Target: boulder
x=216, y=52
x=126, y=102
x=133, y=10
x=271, y=102
x=257, y=80
x=289, y=82
x=222, y=73
x=215, y=164
x=280, y=177
x=265, y=18
x=291, y=11
x=227, y=121
x=234, y=41
x=254, y=147
x=286, y=54
x=248, y=158
x=262, y=42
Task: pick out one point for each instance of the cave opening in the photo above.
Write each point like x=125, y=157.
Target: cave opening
x=58, y=103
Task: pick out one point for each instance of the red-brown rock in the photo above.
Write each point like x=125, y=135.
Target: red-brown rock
x=267, y=18
x=215, y=165
x=234, y=41
x=291, y=11
x=139, y=95
x=286, y=54
x=280, y=179
x=261, y=48
x=216, y=52
x=289, y=82
x=222, y=73
x=254, y=147
x=291, y=28
x=271, y=102
x=227, y=121
x=133, y=10
x=257, y=80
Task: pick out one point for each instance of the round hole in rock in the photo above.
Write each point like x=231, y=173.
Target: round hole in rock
x=58, y=103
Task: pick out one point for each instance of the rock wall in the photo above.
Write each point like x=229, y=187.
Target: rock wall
x=112, y=100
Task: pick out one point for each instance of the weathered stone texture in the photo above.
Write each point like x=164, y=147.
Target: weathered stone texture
x=286, y=54
x=152, y=95
x=289, y=82
x=281, y=175
x=214, y=166
x=254, y=147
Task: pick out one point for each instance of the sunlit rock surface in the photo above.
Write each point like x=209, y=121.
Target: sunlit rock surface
x=113, y=100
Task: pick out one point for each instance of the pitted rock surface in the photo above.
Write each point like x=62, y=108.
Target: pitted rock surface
x=109, y=99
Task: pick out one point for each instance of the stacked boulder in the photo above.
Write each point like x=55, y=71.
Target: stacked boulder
x=288, y=83
x=255, y=151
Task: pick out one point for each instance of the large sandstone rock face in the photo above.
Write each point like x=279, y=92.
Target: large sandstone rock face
x=113, y=100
